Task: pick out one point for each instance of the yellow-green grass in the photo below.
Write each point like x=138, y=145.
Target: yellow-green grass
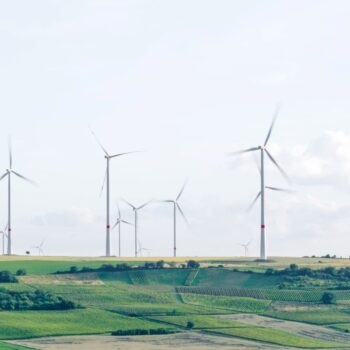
x=242, y=330
x=129, y=299
x=236, y=304
x=342, y=327
x=29, y=324
x=43, y=265
x=319, y=317
x=227, y=278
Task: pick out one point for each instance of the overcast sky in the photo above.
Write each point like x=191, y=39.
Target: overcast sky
x=186, y=82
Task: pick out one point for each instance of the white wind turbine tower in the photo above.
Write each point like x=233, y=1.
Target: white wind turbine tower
x=9, y=173
x=4, y=235
x=263, y=150
x=108, y=157
x=246, y=247
x=136, y=219
x=119, y=223
x=141, y=249
x=176, y=207
x=40, y=248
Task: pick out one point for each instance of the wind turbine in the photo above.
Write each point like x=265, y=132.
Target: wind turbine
x=246, y=246
x=9, y=173
x=141, y=249
x=119, y=224
x=176, y=207
x=136, y=209
x=263, y=150
x=40, y=248
x=4, y=235
x=108, y=157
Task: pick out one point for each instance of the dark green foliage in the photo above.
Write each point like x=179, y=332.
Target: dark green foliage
x=37, y=300
x=328, y=298
x=21, y=272
x=189, y=325
x=160, y=264
x=143, y=331
x=7, y=277
x=192, y=264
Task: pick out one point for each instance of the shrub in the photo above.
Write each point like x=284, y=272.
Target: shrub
x=328, y=298
x=73, y=269
x=21, y=272
x=189, y=325
x=7, y=277
x=192, y=264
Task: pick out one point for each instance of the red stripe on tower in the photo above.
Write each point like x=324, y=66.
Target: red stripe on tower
x=262, y=226
x=108, y=226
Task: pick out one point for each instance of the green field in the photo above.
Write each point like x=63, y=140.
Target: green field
x=170, y=297
x=6, y=346
x=238, y=329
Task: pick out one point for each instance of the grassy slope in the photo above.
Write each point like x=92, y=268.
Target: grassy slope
x=241, y=330
x=15, y=325
x=319, y=317
x=230, y=303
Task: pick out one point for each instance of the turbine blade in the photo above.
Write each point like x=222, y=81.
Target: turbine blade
x=279, y=189
x=100, y=144
x=116, y=224
x=243, y=151
x=272, y=125
x=254, y=201
x=181, y=191
x=122, y=154
x=103, y=183
x=164, y=200
x=283, y=173
x=10, y=152
x=128, y=203
x=143, y=205
x=119, y=214
x=182, y=213
x=24, y=178
x=4, y=175
x=126, y=222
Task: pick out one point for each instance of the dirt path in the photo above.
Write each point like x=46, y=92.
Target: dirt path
x=181, y=341
x=317, y=332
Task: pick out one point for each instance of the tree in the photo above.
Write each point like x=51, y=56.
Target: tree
x=192, y=264
x=328, y=298
x=190, y=325
x=21, y=272
x=160, y=264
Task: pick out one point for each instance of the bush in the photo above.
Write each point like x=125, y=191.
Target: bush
x=7, y=277
x=192, y=264
x=189, y=325
x=328, y=298
x=73, y=269
x=21, y=272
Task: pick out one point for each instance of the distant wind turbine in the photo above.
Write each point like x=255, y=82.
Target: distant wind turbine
x=9, y=173
x=246, y=247
x=108, y=157
x=119, y=223
x=40, y=248
x=176, y=207
x=141, y=249
x=4, y=235
x=263, y=150
x=136, y=219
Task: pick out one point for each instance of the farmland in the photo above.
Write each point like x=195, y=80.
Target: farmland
x=237, y=301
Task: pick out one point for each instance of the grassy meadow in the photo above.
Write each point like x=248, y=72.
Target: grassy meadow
x=181, y=299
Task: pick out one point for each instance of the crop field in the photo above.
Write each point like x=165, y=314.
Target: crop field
x=242, y=330
x=7, y=346
x=229, y=303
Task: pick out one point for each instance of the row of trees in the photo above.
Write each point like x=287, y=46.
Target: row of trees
x=328, y=272
x=37, y=300
x=125, y=267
